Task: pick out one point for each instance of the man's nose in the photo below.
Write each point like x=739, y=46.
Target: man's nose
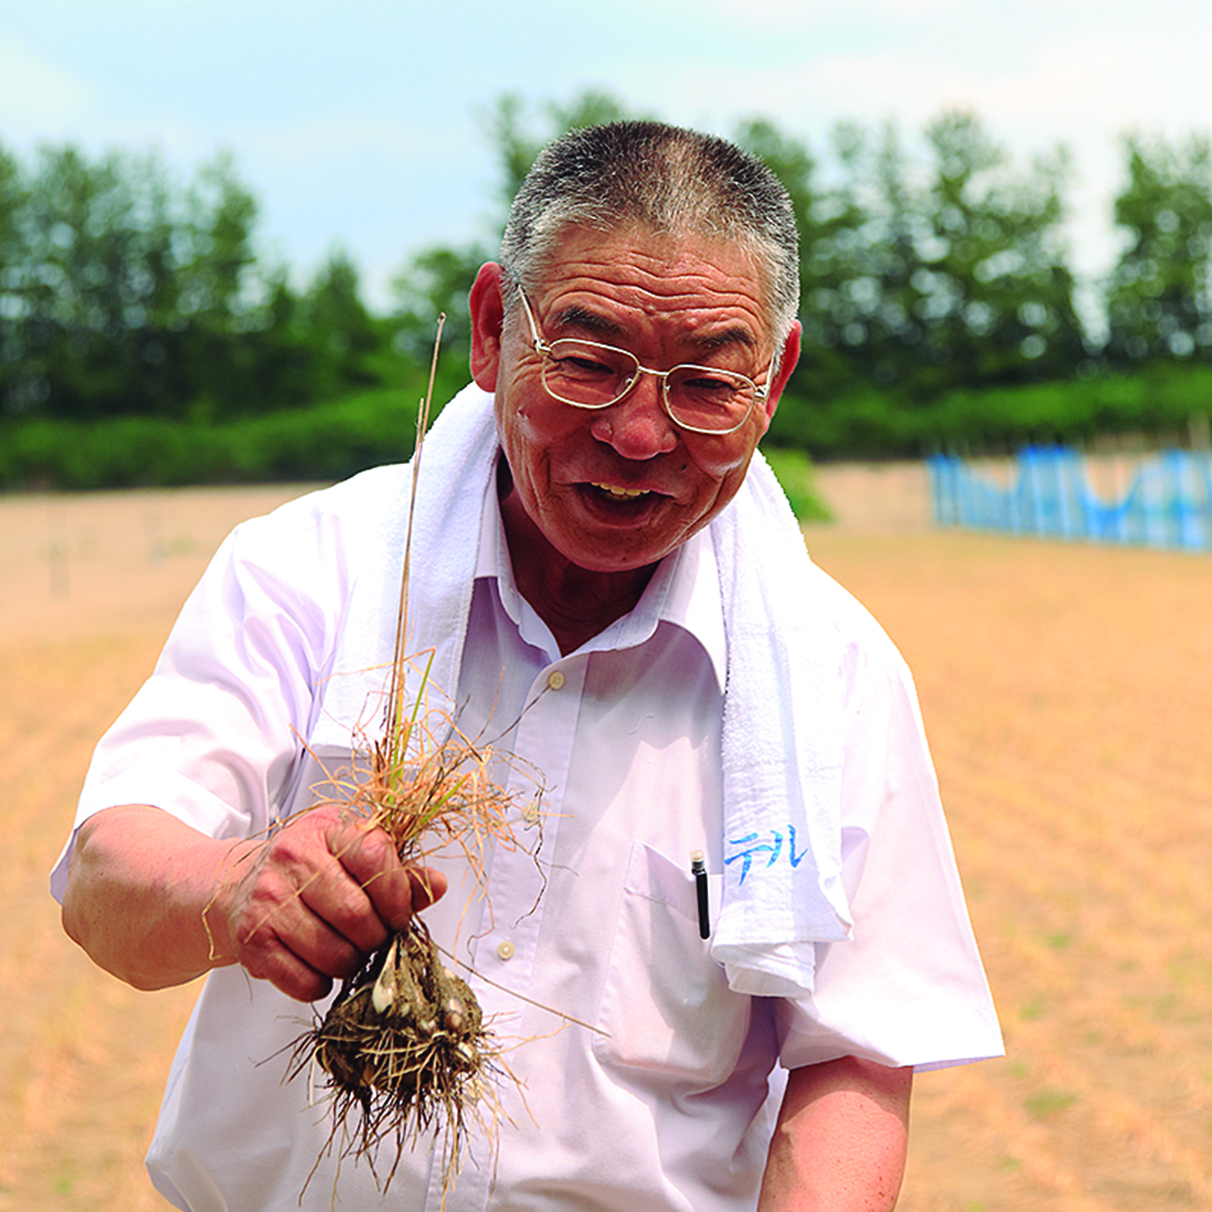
x=637, y=426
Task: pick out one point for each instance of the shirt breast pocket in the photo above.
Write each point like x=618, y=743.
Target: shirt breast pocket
x=666, y=1007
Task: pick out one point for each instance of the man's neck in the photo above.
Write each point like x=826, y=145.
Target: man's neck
x=576, y=603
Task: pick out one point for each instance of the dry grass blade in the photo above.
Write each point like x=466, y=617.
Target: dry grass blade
x=404, y=1046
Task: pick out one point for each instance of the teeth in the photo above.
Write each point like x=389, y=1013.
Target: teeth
x=621, y=494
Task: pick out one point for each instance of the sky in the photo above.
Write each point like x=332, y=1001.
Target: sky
x=361, y=125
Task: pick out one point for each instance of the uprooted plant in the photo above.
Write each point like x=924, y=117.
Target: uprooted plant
x=404, y=1046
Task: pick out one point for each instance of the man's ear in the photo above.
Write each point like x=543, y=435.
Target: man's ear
x=790, y=356
x=487, y=321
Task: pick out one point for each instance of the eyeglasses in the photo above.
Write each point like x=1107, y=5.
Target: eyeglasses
x=702, y=399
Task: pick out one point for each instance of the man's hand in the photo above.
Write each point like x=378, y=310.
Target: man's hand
x=157, y=903
x=312, y=901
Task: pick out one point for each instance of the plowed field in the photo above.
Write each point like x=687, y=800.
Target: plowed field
x=1067, y=691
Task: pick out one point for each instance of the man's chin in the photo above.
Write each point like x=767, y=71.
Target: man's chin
x=615, y=546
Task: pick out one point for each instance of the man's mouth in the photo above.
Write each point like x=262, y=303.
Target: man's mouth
x=618, y=493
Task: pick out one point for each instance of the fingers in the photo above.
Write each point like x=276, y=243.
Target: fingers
x=394, y=891
x=368, y=863
x=428, y=886
x=280, y=917
x=323, y=892
x=301, y=958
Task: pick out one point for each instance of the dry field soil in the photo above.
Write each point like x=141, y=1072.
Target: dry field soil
x=1067, y=691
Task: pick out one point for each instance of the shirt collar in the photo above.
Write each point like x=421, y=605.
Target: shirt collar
x=684, y=591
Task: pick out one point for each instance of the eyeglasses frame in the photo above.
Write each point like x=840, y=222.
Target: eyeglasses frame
x=544, y=350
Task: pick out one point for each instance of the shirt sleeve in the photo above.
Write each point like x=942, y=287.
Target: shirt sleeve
x=908, y=988
x=213, y=736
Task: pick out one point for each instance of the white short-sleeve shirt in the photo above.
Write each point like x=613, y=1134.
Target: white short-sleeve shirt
x=644, y=1081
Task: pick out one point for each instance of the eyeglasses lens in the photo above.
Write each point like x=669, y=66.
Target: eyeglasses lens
x=594, y=376
x=580, y=372
x=711, y=400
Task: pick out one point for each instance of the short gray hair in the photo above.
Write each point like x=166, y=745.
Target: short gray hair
x=667, y=178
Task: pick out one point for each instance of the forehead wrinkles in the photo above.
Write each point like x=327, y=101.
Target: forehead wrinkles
x=708, y=292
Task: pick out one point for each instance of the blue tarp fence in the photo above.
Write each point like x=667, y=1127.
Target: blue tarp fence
x=1167, y=501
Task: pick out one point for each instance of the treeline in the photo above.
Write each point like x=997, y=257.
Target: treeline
x=938, y=269
x=126, y=293
x=939, y=302
x=951, y=269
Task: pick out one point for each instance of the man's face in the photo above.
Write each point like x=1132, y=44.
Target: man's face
x=619, y=488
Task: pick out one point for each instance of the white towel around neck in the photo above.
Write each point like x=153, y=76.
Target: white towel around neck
x=782, y=746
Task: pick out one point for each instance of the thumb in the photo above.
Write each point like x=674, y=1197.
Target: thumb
x=428, y=886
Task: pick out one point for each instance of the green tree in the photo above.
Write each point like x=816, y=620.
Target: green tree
x=436, y=281
x=278, y=352
x=919, y=277
x=997, y=294
x=122, y=291
x=859, y=293
x=82, y=285
x=881, y=281
x=1159, y=296
x=826, y=220
x=117, y=296
x=14, y=306
x=219, y=288
x=951, y=272
x=342, y=335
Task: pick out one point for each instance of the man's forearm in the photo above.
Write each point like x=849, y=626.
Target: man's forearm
x=157, y=903
x=841, y=1139
x=138, y=889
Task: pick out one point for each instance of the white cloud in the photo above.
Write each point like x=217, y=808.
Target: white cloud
x=35, y=94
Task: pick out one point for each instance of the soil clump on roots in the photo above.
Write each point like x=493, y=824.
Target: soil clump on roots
x=406, y=1050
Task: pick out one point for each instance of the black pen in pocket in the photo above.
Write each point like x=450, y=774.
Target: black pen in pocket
x=698, y=868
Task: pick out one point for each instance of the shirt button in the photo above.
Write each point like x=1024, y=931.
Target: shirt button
x=555, y=679
x=505, y=949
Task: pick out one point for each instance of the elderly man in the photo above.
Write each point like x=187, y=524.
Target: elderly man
x=610, y=581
